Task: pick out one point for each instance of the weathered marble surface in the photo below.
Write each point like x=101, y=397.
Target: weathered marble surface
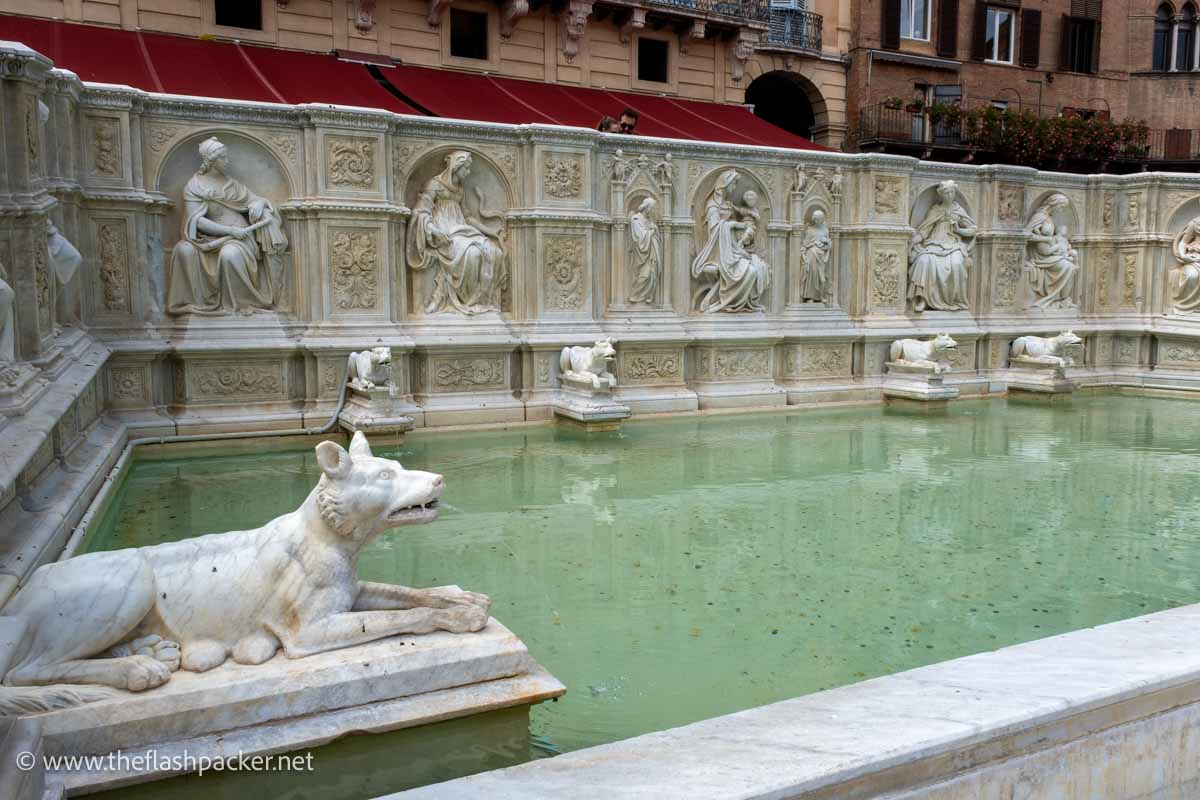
x=586, y=385
x=1106, y=713
x=82, y=629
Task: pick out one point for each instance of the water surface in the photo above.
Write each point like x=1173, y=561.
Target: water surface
x=691, y=567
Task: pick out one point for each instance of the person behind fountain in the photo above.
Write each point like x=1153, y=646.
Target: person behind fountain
x=741, y=276
x=470, y=264
x=940, y=253
x=228, y=257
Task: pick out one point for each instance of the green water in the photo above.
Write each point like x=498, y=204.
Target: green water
x=691, y=567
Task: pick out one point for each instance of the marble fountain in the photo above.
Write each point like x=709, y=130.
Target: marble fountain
x=180, y=274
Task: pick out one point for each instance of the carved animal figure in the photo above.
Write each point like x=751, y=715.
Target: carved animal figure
x=127, y=619
x=1056, y=350
x=371, y=367
x=923, y=353
x=590, y=361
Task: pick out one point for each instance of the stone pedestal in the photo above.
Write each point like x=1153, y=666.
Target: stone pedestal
x=1040, y=377
x=588, y=400
x=376, y=410
x=906, y=381
x=288, y=705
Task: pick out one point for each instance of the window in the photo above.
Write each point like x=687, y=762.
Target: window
x=238, y=14
x=652, y=60
x=914, y=19
x=469, y=34
x=1080, y=45
x=998, y=41
x=1185, y=40
x=1000, y=105
x=1162, y=38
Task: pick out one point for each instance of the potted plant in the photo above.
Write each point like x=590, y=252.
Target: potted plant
x=893, y=103
x=915, y=106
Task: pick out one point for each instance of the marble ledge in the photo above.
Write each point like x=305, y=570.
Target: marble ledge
x=959, y=715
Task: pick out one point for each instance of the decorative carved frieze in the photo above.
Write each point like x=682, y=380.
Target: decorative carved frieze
x=885, y=278
x=1181, y=353
x=350, y=161
x=1107, y=217
x=33, y=141
x=1008, y=277
x=468, y=374
x=128, y=384
x=1010, y=203
x=332, y=370
x=651, y=367
x=159, y=136
x=733, y=364
x=354, y=266
x=262, y=380
x=816, y=360
x=563, y=177
x=563, y=265
x=887, y=195
x=287, y=144
x=999, y=354
x=543, y=369
x=1129, y=280
x=1103, y=298
x=40, y=258
x=1133, y=210
x=1127, y=350
x=113, y=250
x=106, y=147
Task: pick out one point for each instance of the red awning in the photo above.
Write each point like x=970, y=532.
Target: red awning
x=514, y=101
x=159, y=62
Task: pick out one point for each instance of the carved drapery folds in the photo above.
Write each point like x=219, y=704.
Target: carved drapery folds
x=731, y=274
x=645, y=253
x=816, y=284
x=940, y=254
x=458, y=240
x=1050, y=261
x=1184, y=278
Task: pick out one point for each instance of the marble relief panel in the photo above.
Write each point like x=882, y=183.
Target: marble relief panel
x=564, y=273
x=650, y=367
x=230, y=381
x=129, y=385
x=106, y=152
x=563, y=176
x=354, y=269
x=467, y=373
x=816, y=360
x=350, y=162
x=113, y=289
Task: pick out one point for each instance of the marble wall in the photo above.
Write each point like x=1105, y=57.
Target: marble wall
x=725, y=275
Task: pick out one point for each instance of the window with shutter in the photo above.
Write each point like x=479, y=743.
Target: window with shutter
x=979, y=33
x=1079, y=45
x=1031, y=37
x=947, y=37
x=891, y=24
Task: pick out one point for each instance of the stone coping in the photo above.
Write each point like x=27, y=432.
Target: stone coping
x=891, y=733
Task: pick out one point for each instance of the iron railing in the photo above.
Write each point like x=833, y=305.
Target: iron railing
x=755, y=10
x=793, y=28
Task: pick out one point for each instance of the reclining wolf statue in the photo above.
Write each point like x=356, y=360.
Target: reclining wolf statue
x=590, y=364
x=1055, y=351
x=127, y=619
x=926, y=354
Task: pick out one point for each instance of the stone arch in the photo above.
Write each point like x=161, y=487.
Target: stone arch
x=788, y=100
x=927, y=197
x=746, y=180
x=1070, y=215
x=432, y=161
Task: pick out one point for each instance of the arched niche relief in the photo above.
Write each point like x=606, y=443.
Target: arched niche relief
x=1182, y=260
x=259, y=169
x=935, y=273
x=748, y=204
x=815, y=267
x=642, y=279
x=1051, y=266
x=476, y=275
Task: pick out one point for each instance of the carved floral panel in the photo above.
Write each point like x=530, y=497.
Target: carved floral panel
x=1183, y=353
x=563, y=272
x=543, y=368
x=1129, y=280
x=817, y=360
x=563, y=177
x=40, y=258
x=1008, y=277
x=887, y=195
x=159, y=136
x=885, y=278
x=733, y=364
x=1127, y=350
x=112, y=247
x=33, y=141
x=261, y=380
x=350, y=161
x=466, y=374
x=999, y=353
x=1103, y=297
x=1010, y=202
x=354, y=266
x=128, y=385
x=105, y=146
x=651, y=367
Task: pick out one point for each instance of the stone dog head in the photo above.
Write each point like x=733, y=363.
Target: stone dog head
x=360, y=495
x=603, y=352
x=1065, y=341
x=381, y=356
x=942, y=343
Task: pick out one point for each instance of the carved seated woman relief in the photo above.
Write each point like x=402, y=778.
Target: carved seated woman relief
x=731, y=227
x=230, y=256
x=456, y=238
x=940, y=252
x=1051, y=263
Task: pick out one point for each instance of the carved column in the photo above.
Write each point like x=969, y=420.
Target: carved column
x=620, y=239
x=666, y=193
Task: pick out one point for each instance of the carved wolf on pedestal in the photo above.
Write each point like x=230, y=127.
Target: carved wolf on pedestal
x=590, y=362
x=917, y=353
x=1055, y=351
x=127, y=619
x=370, y=368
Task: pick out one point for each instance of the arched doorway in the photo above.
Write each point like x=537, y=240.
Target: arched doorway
x=787, y=100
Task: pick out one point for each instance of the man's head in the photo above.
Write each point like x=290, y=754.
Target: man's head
x=629, y=119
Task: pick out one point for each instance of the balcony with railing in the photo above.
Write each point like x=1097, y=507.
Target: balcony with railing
x=719, y=13
x=793, y=30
